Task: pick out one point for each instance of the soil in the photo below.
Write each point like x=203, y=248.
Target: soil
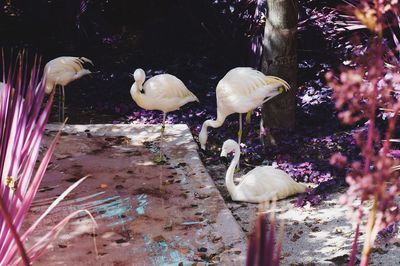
x=312, y=235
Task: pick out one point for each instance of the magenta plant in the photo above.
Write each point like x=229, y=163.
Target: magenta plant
x=361, y=91
x=263, y=249
x=22, y=126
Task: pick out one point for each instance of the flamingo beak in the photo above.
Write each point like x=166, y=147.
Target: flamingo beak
x=273, y=93
x=224, y=153
x=224, y=159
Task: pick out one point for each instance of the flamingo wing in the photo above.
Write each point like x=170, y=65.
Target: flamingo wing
x=66, y=63
x=243, y=89
x=265, y=179
x=166, y=86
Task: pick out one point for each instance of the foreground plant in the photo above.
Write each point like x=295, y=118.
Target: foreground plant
x=360, y=91
x=22, y=126
x=263, y=248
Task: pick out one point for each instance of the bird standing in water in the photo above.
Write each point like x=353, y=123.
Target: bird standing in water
x=61, y=71
x=162, y=92
x=241, y=90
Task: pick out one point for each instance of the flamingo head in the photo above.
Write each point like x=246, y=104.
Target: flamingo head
x=139, y=75
x=229, y=146
x=49, y=86
x=274, y=91
x=203, y=135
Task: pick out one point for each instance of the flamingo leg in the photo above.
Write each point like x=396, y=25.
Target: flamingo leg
x=161, y=156
x=162, y=133
x=265, y=135
x=248, y=116
x=240, y=129
x=62, y=104
x=262, y=132
x=59, y=103
x=239, y=139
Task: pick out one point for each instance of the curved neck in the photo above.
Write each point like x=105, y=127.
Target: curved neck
x=47, y=85
x=214, y=123
x=135, y=92
x=230, y=185
x=138, y=86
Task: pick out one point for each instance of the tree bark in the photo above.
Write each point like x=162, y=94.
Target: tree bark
x=280, y=59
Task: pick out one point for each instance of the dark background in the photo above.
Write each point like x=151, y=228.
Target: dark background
x=153, y=28
x=198, y=41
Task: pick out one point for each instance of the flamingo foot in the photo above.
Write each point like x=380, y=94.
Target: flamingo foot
x=160, y=159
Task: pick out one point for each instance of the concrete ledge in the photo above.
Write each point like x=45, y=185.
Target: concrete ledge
x=148, y=214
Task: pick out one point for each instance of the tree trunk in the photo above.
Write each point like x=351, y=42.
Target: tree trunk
x=280, y=59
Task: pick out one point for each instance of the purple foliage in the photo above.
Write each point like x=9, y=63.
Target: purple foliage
x=23, y=117
x=387, y=233
x=395, y=154
x=362, y=89
x=22, y=124
x=83, y=7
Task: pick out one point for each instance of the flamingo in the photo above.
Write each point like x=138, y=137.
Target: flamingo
x=61, y=71
x=162, y=92
x=241, y=90
x=263, y=183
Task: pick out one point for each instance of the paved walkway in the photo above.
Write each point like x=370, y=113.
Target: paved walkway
x=147, y=214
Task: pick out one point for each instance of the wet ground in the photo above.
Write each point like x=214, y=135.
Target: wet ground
x=147, y=213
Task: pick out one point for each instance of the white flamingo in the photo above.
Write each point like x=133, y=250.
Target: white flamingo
x=241, y=90
x=162, y=92
x=61, y=71
x=263, y=183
